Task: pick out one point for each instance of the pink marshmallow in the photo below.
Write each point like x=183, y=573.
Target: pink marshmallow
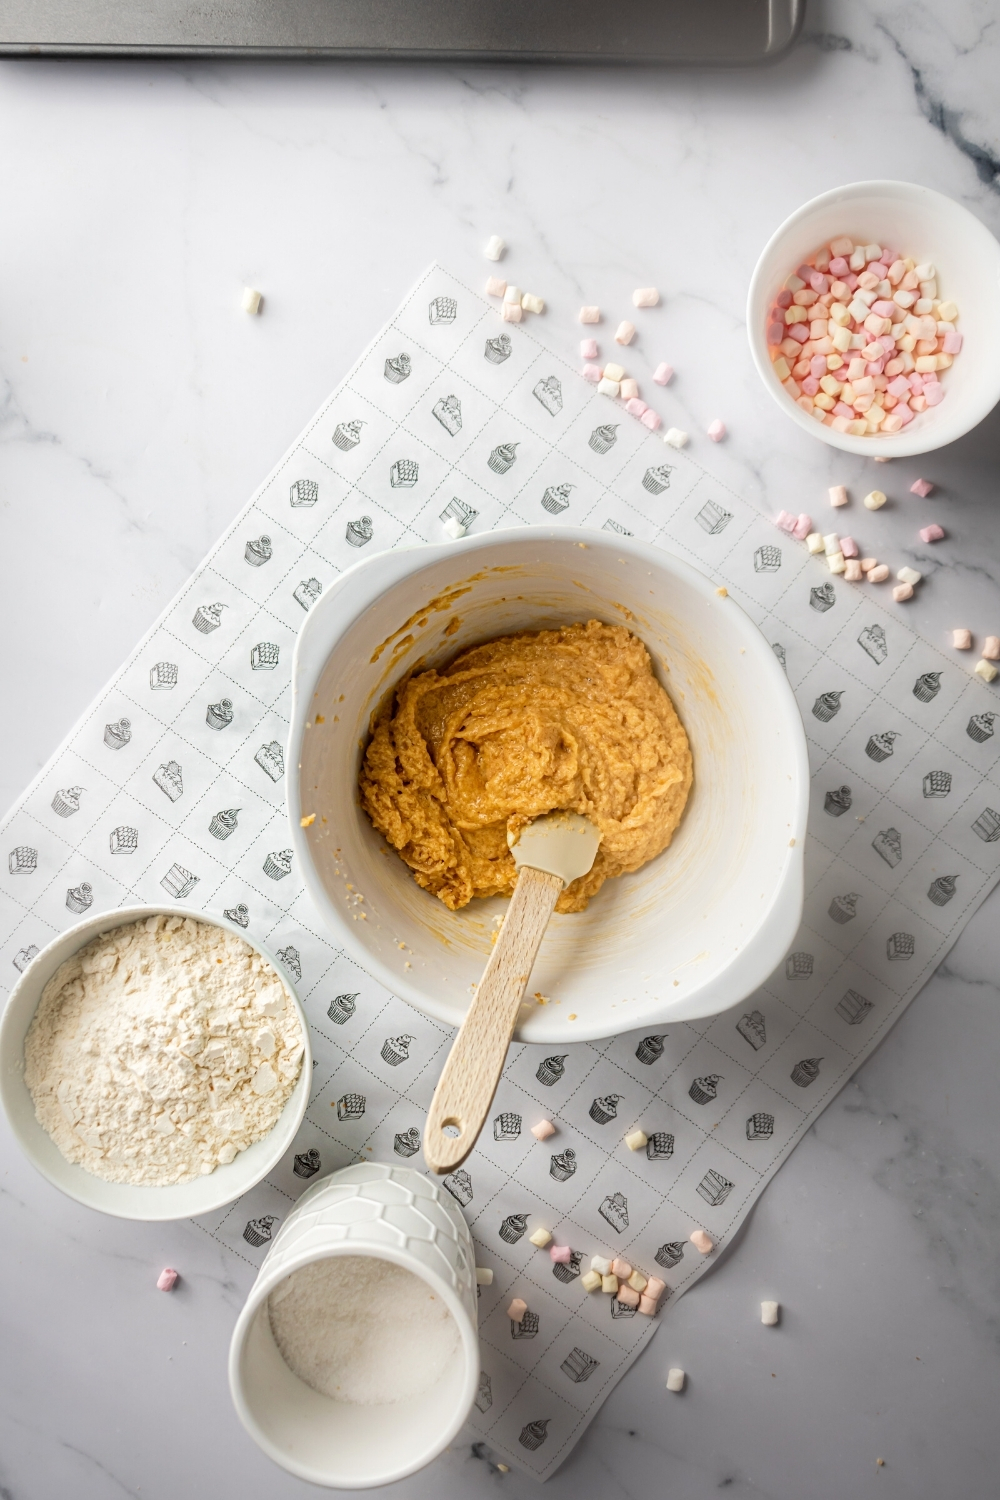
x=899, y=387
x=647, y=1305
x=804, y=272
x=785, y=521
x=167, y=1280
x=952, y=342
x=621, y=1268
x=902, y=592
x=650, y=419
x=904, y=411
x=803, y=527
x=838, y=494
x=560, y=1254
x=592, y=373
x=921, y=487
x=991, y=648
x=783, y=300
x=664, y=374
x=635, y=406
x=495, y=287
x=701, y=1241
x=934, y=393
x=883, y=308
x=817, y=366
x=655, y=1288
x=839, y=266
x=810, y=386
x=628, y=1296
x=848, y=546
x=961, y=640
x=716, y=430
x=852, y=570
x=589, y=315
x=588, y=348
x=932, y=533
x=799, y=332
x=543, y=1130
x=878, y=574
x=843, y=410
x=517, y=1310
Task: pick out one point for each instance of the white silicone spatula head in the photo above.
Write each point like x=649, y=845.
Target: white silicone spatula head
x=561, y=843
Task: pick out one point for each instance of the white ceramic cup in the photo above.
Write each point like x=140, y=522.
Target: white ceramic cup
x=183, y=1200
x=389, y=1213
x=695, y=930
x=930, y=227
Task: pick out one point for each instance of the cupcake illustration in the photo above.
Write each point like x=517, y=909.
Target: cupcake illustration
x=124, y=840
x=889, y=846
x=614, y=1210
x=767, y=559
x=404, y=473
x=258, y=1231
x=879, y=746
x=827, y=705
x=179, y=882
x=219, y=715
x=660, y=1146
x=307, y=1163
x=208, y=617
x=169, y=778
x=549, y=393
x=271, y=759
x=449, y=413
x=779, y=652
x=806, y=1071
x=838, y=801
x=507, y=1126
x=80, y=897
x=278, y=864
x=901, y=946
x=980, y=727
x=484, y=1395
x=567, y=1271
x=223, y=823
x=513, y=1228
x=843, y=908
x=305, y=492
x=117, y=736
x=704, y=1090
x=396, y=1050
x=822, y=598
x=258, y=552
x=341, y=1008
x=502, y=457
x=605, y=1108
x=406, y=1142
x=927, y=686
x=551, y=1069
x=238, y=914
x=650, y=1049
x=347, y=435
x=657, y=479
x=352, y=1107
x=604, y=437
x=711, y=518
x=669, y=1255
x=292, y=960
x=872, y=639
x=67, y=801
x=753, y=1029
x=556, y=498
x=579, y=1366
x=942, y=889
x=307, y=592
x=459, y=1185
x=264, y=656
x=498, y=349
x=853, y=1008
x=799, y=966
x=163, y=676
x=714, y=1188
x=533, y=1435
x=987, y=826
x=562, y=1167
x=937, y=783
x=442, y=310
x=360, y=531
x=397, y=370
x=760, y=1127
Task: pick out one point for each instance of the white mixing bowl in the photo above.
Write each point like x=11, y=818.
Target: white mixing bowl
x=928, y=226
x=695, y=930
x=184, y=1200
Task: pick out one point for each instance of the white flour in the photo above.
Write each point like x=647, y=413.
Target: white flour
x=362, y=1330
x=161, y=1050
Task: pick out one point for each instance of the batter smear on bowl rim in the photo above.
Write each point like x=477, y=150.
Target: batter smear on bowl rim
x=570, y=719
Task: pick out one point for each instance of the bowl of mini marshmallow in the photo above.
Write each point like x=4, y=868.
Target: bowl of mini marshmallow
x=874, y=319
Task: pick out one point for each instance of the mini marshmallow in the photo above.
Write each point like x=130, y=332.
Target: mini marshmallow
x=513, y=294
x=637, y=1281
x=831, y=543
x=986, y=670
x=495, y=287
x=655, y=1287
x=588, y=348
x=455, y=528
x=785, y=521
x=663, y=374
x=561, y=1254
x=543, y=1130
x=701, y=1241
x=592, y=373
x=874, y=500
x=838, y=494
x=541, y=1238
x=495, y=247
x=836, y=562
x=589, y=315
x=716, y=430
x=636, y=1139
x=251, y=300
x=608, y=387
x=484, y=1276
x=517, y=1310
x=532, y=304
x=803, y=527
x=628, y=1297
x=991, y=648
x=902, y=592
x=601, y=1265
x=651, y=419
x=909, y=575
x=867, y=563
x=625, y=332
x=675, y=1380
x=769, y=1314
x=621, y=1268
x=675, y=437
x=921, y=487
x=848, y=546
x=852, y=570
x=647, y=1305
x=931, y=533
x=636, y=407
x=590, y=1281
x=645, y=296
x=961, y=640
x=630, y=389
x=878, y=574
x=814, y=542
x=167, y=1280
x=609, y=1284
x=511, y=311
x=614, y=372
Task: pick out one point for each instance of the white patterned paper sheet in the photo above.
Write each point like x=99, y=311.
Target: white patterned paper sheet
x=171, y=787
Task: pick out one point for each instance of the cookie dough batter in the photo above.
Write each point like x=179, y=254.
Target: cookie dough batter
x=558, y=719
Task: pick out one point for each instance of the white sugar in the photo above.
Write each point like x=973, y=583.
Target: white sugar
x=362, y=1330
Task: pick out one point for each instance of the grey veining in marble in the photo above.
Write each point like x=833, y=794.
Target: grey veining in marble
x=140, y=407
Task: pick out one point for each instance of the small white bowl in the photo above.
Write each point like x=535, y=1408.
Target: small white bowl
x=692, y=932
x=928, y=226
x=184, y=1200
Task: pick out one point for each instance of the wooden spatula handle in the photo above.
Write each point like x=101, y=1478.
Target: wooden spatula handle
x=469, y=1081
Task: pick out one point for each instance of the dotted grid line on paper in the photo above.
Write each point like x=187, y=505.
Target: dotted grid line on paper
x=533, y=1384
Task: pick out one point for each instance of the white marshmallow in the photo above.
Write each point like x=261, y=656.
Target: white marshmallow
x=769, y=1314
x=675, y=1380
x=495, y=247
x=251, y=300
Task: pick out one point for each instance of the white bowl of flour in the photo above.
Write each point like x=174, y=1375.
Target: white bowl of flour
x=154, y=1063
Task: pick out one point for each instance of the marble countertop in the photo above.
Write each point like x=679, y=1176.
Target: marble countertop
x=141, y=408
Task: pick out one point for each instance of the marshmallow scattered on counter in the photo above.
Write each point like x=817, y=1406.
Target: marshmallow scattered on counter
x=838, y=495
x=531, y=303
x=167, y=1280
x=621, y=1268
x=867, y=563
x=614, y=372
x=663, y=374
x=716, y=430
x=902, y=592
x=495, y=287
x=932, y=533
x=495, y=247
x=921, y=487
x=540, y=1237
x=831, y=543
x=561, y=1254
x=636, y=407
x=251, y=300
x=636, y=1139
x=785, y=521
x=991, y=648
x=513, y=294
x=484, y=1276
x=675, y=437
x=608, y=387
x=543, y=1130
x=814, y=542
x=454, y=527
x=874, y=500
x=645, y=296
x=592, y=373
x=852, y=570
x=848, y=546
x=588, y=348
x=609, y=1284
x=647, y=1305
x=590, y=315
x=675, y=1380
x=769, y=1314
x=803, y=527
x=625, y=332
x=651, y=420
x=961, y=640
x=879, y=573
x=836, y=562
x=655, y=1287
x=701, y=1241
x=986, y=670
x=630, y=389
x=517, y=1310
x=511, y=311
x=590, y=1281
x=601, y=1265
x=637, y=1281
x=627, y=1296
x=909, y=575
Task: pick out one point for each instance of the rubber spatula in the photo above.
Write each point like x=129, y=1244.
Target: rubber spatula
x=551, y=852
